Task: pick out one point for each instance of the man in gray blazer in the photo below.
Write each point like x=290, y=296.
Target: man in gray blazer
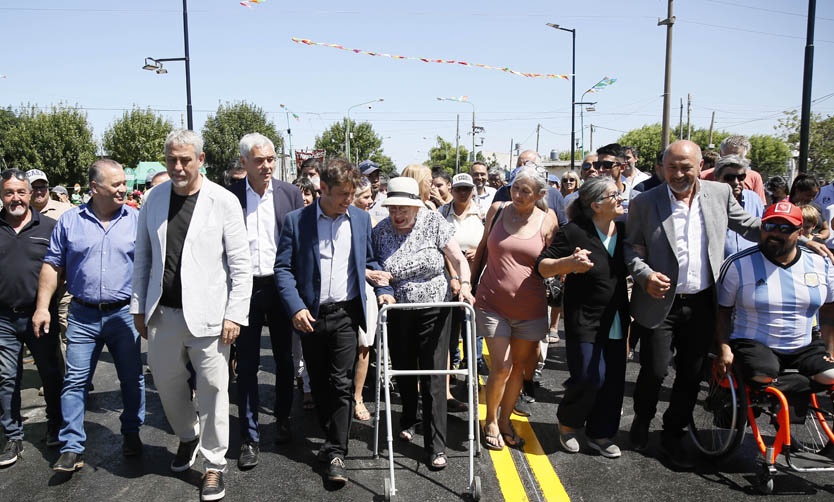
x=674, y=249
x=192, y=283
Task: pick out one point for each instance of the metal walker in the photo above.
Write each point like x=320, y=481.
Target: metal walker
x=384, y=375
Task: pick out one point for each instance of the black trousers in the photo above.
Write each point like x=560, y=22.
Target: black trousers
x=330, y=356
x=265, y=307
x=686, y=334
x=419, y=339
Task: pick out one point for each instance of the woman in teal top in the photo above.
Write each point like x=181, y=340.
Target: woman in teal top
x=589, y=250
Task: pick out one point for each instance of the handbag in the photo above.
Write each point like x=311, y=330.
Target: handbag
x=554, y=290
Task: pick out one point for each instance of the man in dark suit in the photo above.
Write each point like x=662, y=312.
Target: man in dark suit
x=323, y=253
x=265, y=201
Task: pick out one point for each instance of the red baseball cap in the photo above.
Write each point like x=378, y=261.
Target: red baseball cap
x=785, y=211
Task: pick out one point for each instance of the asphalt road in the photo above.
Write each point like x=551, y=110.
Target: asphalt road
x=542, y=472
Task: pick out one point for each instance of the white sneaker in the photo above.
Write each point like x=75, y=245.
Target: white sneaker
x=605, y=447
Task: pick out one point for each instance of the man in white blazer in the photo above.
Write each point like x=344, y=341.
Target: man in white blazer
x=192, y=285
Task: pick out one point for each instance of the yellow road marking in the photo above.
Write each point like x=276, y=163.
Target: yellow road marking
x=509, y=478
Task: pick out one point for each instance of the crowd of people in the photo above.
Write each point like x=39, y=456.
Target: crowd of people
x=200, y=269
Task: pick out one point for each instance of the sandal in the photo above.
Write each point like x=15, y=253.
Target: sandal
x=493, y=441
x=360, y=412
x=437, y=461
x=407, y=434
x=512, y=439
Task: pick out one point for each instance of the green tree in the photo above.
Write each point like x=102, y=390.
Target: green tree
x=137, y=136
x=648, y=140
x=223, y=130
x=59, y=141
x=364, y=144
x=443, y=154
x=8, y=121
x=769, y=155
x=821, y=140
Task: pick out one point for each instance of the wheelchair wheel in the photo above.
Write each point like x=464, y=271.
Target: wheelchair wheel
x=814, y=434
x=720, y=414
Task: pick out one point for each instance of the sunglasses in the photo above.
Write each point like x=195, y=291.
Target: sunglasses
x=783, y=228
x=587, y=166
x=605, y=164
x=17, y=173
x=731, y=177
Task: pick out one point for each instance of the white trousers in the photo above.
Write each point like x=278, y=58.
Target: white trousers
x=170, y=347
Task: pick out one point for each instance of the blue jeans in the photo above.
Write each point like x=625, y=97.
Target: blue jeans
x=15, y=330
x=87, y=333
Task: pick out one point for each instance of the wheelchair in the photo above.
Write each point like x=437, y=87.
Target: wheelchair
x=793, y=416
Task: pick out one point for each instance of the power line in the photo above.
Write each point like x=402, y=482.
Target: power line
x=797, y=14
x=735, y=28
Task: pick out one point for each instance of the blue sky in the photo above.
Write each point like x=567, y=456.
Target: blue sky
x=742, y=59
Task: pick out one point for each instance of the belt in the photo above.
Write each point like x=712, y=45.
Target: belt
x=102, y=307
x=26, y=309
x=263, y=280
x=685, y=297
x=329, y=308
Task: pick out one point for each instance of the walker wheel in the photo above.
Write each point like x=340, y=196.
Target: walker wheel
x=387, y=493
x=476, y=488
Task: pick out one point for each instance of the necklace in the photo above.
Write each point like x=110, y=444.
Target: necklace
x=518, y=217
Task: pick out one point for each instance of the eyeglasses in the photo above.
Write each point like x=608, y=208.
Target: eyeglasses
x=17, y=173
x=605, y=164
x=783, y=228
x=613, y=196
x=731, y=177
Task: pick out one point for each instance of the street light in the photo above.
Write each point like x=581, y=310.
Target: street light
x=464, y=99
x=154, y=64
x=572, y=94
x=347, y=123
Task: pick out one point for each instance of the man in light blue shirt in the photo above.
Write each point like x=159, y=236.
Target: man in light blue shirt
x=94, y=245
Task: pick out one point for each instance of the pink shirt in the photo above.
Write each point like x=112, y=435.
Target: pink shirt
x=509, y=287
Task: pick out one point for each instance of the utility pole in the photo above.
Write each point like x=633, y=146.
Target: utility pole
x=457, y=145
x=688, y=115
x=592, y=137
x=711, y=125
x=667, y=81
x=538, y=130
x=510, y=162
x=805, y=118
x=680, y=123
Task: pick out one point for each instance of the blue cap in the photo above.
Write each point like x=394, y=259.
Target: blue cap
x=552, y=178
x=366, y=167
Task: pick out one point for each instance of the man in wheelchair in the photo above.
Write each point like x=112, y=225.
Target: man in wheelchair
x=768, y=300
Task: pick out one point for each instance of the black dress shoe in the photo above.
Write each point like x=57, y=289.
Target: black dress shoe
x=639, y=434
x=677, y=455
x=69, y=462
x=283, y=434
x=131, y=445
x=336, y=471
x=248, y=455
x=186, y=455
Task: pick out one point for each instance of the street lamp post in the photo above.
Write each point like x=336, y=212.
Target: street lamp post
x=347, y=124
x=154, y=64
x=572, y=93
x=474, y=128
x=582, y=122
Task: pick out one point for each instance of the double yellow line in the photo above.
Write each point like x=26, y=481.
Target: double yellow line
x=509, y=474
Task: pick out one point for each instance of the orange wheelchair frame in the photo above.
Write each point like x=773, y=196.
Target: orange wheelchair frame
x=725, y=407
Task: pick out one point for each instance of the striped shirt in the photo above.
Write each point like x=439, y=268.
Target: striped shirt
x=775, y=304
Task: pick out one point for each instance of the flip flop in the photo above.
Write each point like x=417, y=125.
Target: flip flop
x=360, y=412
x=492, y=442
x=512, y=439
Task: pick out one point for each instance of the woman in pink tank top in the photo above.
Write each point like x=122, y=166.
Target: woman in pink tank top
x=511, y=309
